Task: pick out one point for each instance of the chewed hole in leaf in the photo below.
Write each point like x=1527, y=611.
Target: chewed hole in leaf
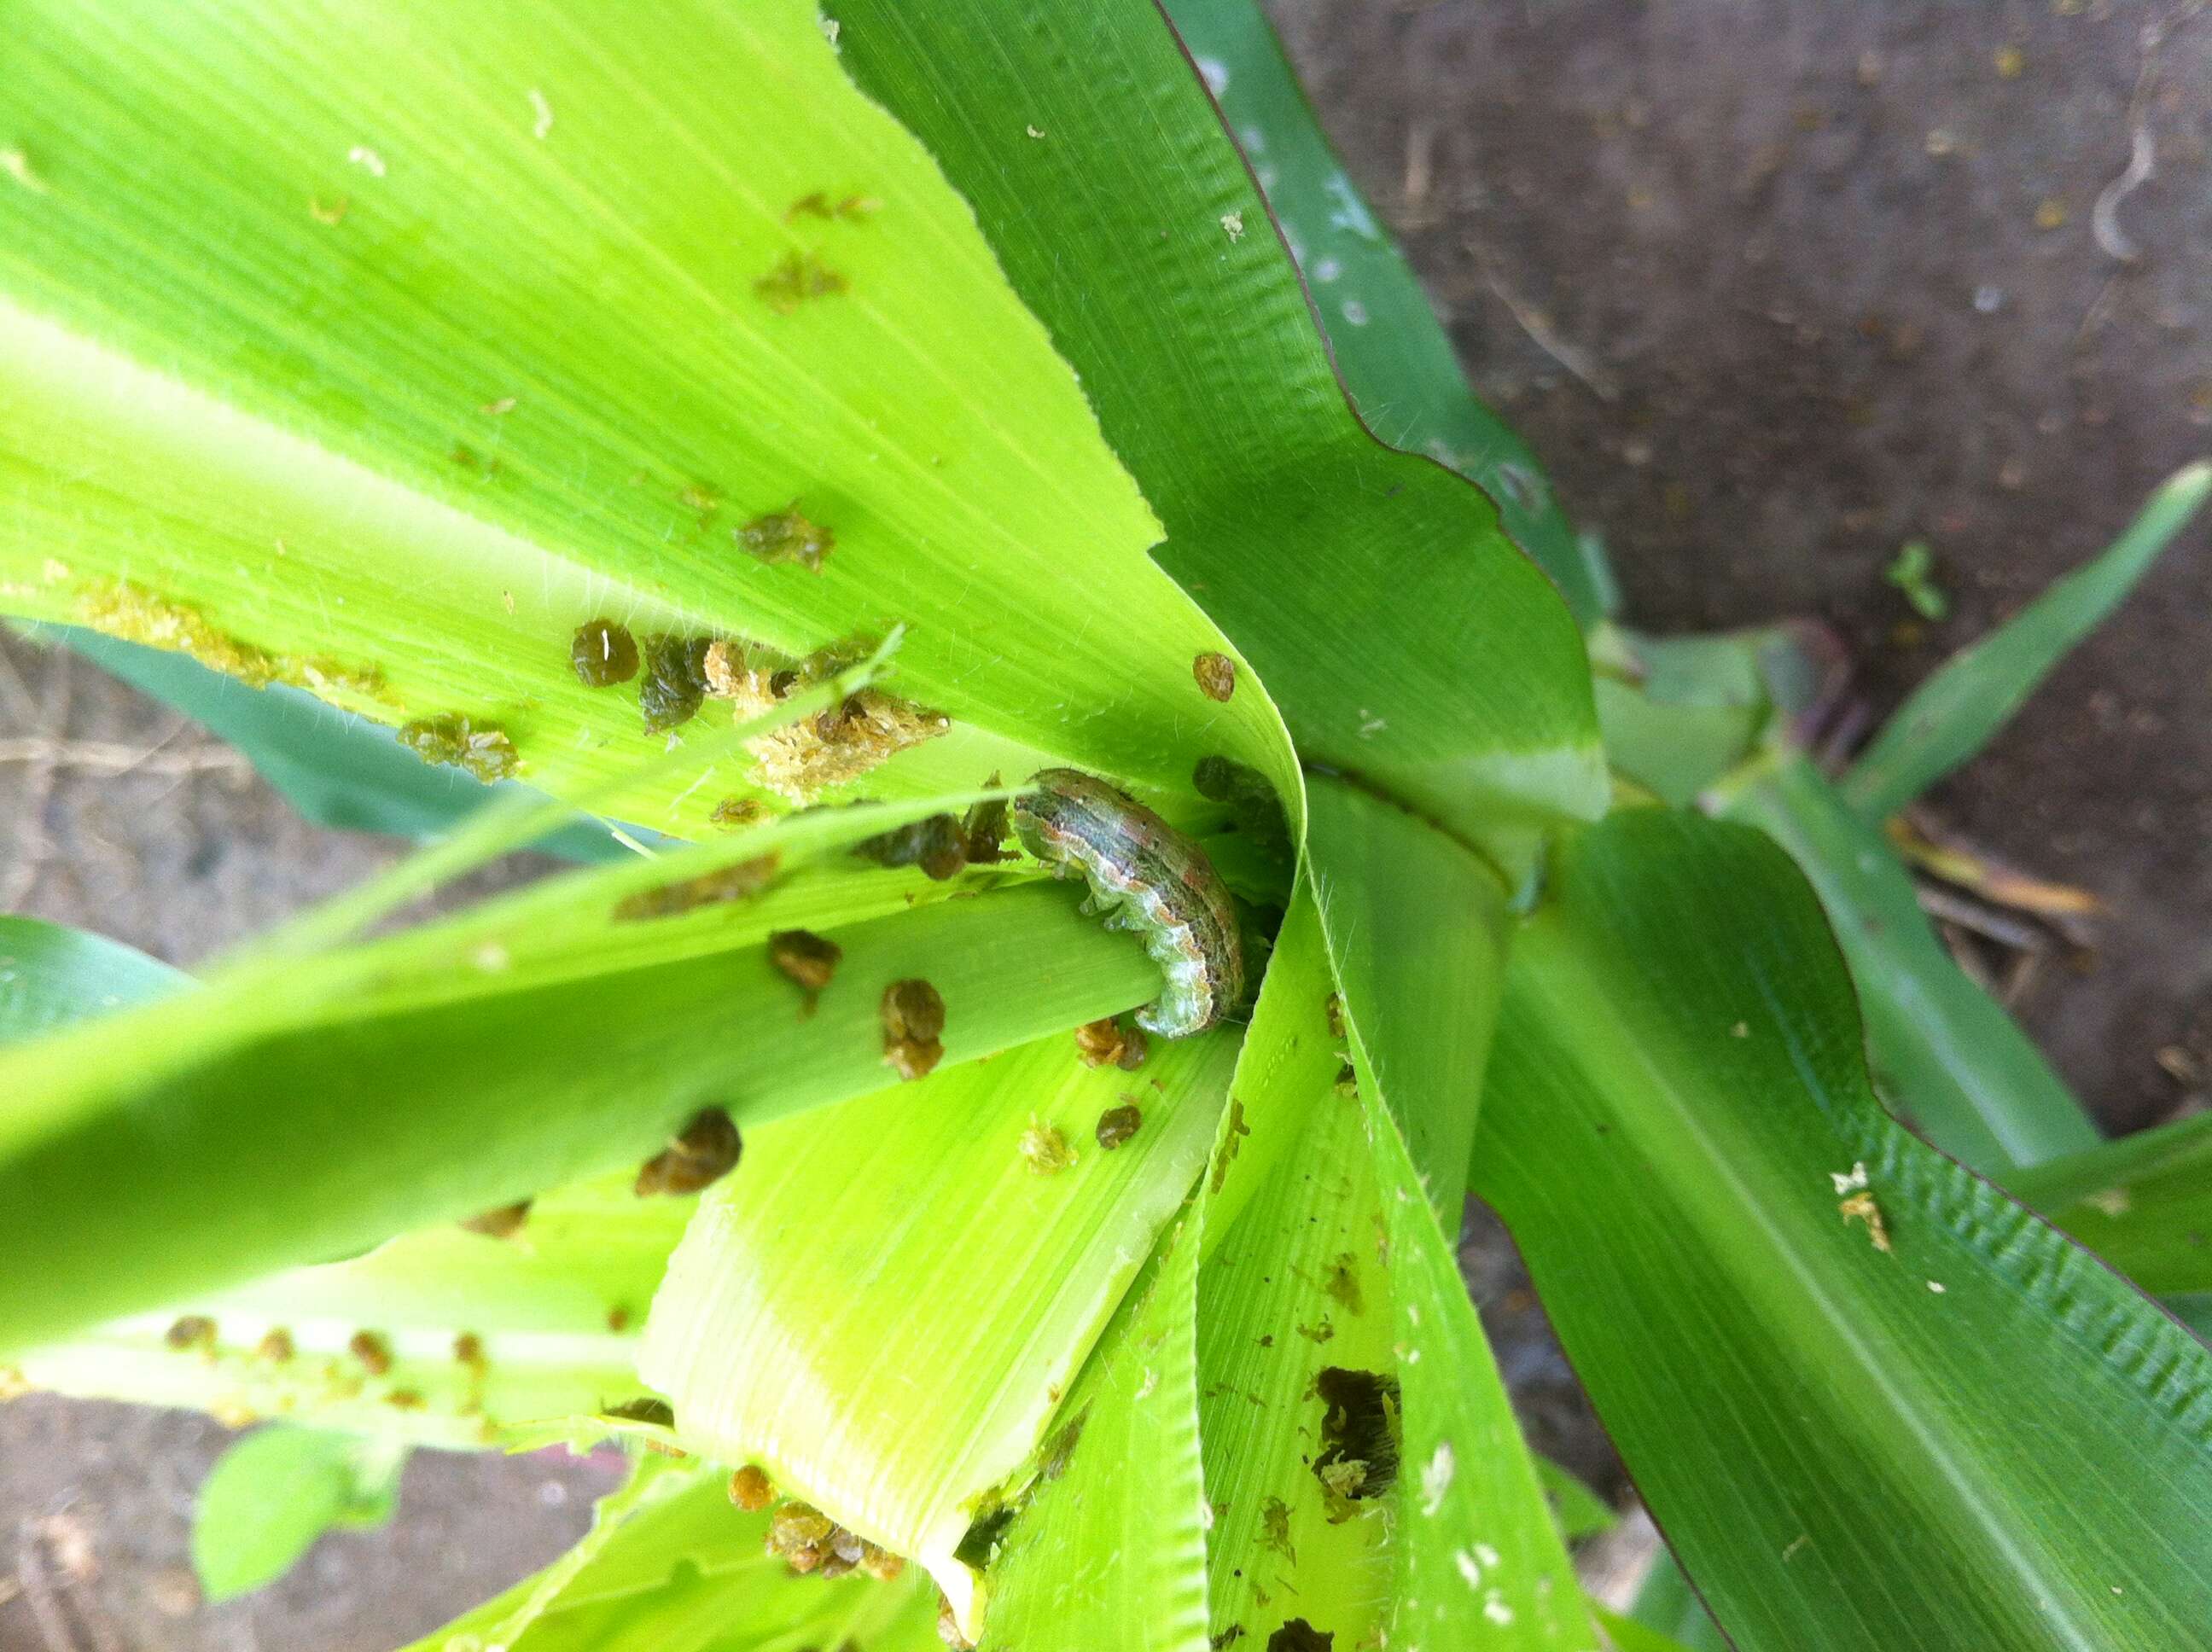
x=981, y=1539
x=1359, y=1459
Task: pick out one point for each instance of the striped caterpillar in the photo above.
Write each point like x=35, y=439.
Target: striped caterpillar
x=1149, y=879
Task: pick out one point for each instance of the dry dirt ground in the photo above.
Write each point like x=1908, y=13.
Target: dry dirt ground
x=1773, y=286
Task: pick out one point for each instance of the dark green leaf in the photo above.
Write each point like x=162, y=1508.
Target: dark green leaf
x=1668, y=1608
x=1974, y=693
x=1393, y=622
x=1873, y=1403
x=2194, y=1311
x=50, y=975
x=1393, y=353
x=1943, y=1052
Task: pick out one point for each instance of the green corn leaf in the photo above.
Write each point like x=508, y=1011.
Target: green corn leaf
x=443, y=1337
x=2194, y=1311
x=1943, y=1052
x=310, y=1107
x=1416, y=927
x=1390, y=347
x=50, y=975
x=1579, y=1510
x=1479, y=1561
x=273, y=1493
x=1955, y=713
x=1359, y=581
x=885, y=1307
x=669, y=1565
x=1668, y=1608
x=2143, y=1203
x=1293, y=1291
x=1120, y=1477
x=288, y=405
x=336, y=769
x=1630, y=1635
x=1872, y=1402
x=1679, y=713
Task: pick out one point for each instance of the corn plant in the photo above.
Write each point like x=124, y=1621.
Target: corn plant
x=1099, y=833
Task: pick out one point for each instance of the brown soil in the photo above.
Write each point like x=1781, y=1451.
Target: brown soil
x=1792, y=259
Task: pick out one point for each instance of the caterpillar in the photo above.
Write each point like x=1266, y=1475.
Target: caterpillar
x=1148, y=878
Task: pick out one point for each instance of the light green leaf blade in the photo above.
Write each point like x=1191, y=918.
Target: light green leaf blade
x=1976, y=1436
x=2143, y=1203
x=1943, y=1052
x=1292, y=1284
x=51, y=975
x=1120, y=1485
x=885, y=1308
x=475, y=1340
x=491, y=1070
x=270, y=1496
x=1391, y=350
x=1417, y=929
x=519, y=322
x=1130, y=226
x=670, y=1566
x=1479, y=1561
x=1975, y=693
